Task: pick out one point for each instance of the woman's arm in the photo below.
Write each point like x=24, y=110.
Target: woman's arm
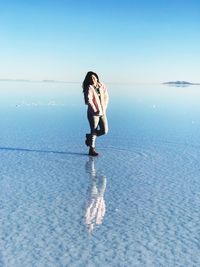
x=106, y=96
x=90, y=98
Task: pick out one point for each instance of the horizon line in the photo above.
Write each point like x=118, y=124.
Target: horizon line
x=80, y=82
x=61, y=81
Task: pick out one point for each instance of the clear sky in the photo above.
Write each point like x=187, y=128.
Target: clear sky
x=122, y=40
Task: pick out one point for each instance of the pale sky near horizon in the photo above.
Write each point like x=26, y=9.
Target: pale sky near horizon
x=123, y=41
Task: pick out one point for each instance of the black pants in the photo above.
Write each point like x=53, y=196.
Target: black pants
x=98, y=124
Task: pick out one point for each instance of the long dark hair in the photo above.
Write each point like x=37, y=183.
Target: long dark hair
x=88, y=81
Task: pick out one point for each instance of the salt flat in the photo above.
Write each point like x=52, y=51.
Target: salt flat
x=137, y=204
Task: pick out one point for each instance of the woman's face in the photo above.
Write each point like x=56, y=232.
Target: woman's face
x=94, y=80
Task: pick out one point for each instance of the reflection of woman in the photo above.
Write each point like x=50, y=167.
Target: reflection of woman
x=96, y=207
x=96, y=97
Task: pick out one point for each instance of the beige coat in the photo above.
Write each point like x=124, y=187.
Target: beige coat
x=94, y=105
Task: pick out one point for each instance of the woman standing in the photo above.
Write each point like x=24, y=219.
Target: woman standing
x=96, y=97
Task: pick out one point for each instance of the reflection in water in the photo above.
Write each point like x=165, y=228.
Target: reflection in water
x=96, y=207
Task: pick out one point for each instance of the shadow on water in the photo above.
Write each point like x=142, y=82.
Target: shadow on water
x=96, y=208
x=42, y=151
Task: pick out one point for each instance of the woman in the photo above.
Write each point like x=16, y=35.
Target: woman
x=96, y=97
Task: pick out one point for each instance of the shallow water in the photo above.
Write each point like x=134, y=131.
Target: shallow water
x=137, y=204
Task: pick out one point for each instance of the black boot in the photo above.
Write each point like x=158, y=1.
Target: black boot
x=88, y=139
x=92, y=152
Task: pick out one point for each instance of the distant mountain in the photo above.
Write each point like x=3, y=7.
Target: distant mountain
x=50, y=81
x=180, y=83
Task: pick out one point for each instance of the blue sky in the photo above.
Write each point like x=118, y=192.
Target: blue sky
x=123, y=41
